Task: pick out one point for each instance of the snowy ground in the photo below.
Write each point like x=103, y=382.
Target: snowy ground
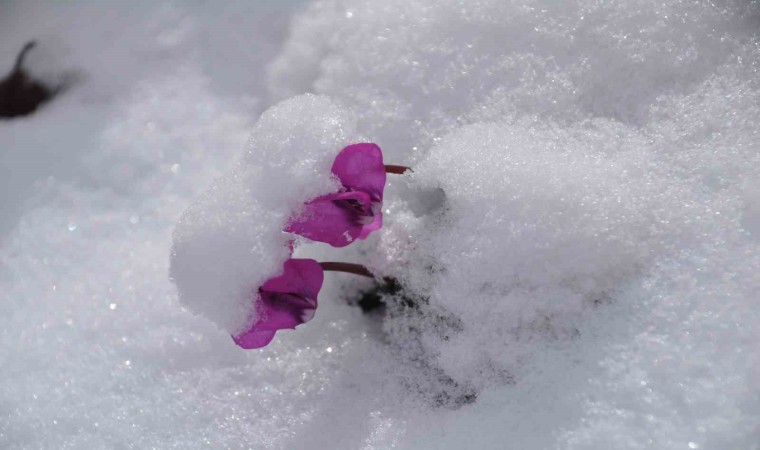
x=583, y=222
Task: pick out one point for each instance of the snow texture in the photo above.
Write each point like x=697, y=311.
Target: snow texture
x=577, y=249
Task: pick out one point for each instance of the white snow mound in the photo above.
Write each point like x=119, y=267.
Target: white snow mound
x=230, y=241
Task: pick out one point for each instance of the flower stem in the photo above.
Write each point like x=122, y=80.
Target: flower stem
x=390, y=168
x=356, y=269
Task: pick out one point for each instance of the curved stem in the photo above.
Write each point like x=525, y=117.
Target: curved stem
x=390, y=168
x=356, y=269
x=20, y=58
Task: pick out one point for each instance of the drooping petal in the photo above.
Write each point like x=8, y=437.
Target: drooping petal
x=275, y=312
x=284, y=301
x=280, y=311
x=359, y=167
x=353, y=213
x=336, y=219
x=300, y=277
x=254, y=339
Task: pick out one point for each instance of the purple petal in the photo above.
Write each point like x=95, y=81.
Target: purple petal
x=301, y=277
x=280, y=311
x=360, y=168
x=254, y=339
x=284, y=301
x=376, y=221
x=337, y=219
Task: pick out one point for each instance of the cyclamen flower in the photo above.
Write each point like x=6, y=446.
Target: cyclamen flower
x=355, y=210
x=284, y=301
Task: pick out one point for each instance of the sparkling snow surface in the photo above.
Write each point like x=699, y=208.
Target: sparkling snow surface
x=580, y=237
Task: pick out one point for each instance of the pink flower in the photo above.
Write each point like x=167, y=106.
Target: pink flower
x=284, y=301
x=356, y=209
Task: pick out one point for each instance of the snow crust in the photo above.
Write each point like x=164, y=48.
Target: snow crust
x=578, y=247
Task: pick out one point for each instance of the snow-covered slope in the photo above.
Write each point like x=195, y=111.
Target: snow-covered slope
x=580, y=236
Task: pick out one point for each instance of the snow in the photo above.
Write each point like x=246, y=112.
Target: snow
x=230, y=240
x=579, y=240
